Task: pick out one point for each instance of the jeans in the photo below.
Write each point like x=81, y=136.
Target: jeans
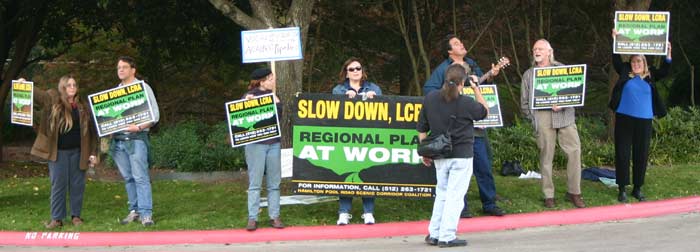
x=484, y=175
x=346, y=204
x=263, y=159
x=453, y=176
x=65, y=174
x=131, y=158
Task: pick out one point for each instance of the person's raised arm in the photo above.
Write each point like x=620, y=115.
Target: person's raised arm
x=616, y=58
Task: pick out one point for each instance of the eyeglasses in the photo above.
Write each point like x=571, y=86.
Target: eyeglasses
x=355, y=69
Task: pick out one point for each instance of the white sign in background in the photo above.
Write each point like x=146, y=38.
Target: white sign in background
x=271, y=45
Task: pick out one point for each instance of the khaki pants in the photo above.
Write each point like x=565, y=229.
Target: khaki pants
x=569, y=143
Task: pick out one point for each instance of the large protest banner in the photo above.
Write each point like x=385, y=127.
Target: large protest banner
x=271, y=45
x=641, y=32
x=563, y=86
x=115, y=109
x=22, y=112
x=251, y=121
x=352, y=147
x=490, y=94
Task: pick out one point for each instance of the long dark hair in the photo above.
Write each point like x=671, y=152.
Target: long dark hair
x=454, y=78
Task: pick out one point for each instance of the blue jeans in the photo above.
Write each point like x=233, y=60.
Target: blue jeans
x=346, y=204
x=65, y=175
x=263, y=159
x=484, y=175
x=453, y=176
x=132, y=159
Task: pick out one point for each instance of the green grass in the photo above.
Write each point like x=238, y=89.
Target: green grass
x=180, y=205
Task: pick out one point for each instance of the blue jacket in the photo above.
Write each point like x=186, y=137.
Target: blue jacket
x=438, y=76
x=365, y=87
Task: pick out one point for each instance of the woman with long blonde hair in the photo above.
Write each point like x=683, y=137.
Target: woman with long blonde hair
x=66, y=137
x=635, y=101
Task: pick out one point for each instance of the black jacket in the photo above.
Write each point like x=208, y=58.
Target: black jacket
x=435, y=117
x=623, y=69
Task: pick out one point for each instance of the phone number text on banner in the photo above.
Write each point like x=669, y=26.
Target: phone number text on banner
x=115, y=109
x=351, y=147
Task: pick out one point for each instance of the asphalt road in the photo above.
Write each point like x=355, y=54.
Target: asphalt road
x=679, y=232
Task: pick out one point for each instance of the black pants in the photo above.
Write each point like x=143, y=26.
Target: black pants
x=635, y=134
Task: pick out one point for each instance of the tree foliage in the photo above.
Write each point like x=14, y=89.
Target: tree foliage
x=190, y=50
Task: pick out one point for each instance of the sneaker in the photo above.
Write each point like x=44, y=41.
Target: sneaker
x=133, y=216
x=277, y=223
x=369, y=218
x=343, y=219
x=147, y=221
x=431, y=241
x=252, y=225
x=453, y=243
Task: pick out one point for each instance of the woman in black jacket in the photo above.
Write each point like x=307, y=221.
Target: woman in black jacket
x=635, y=101
x=448, y=111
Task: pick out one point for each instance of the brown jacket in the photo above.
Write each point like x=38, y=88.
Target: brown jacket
x=46, y=143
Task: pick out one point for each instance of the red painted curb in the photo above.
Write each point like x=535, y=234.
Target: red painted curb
x=480, y=224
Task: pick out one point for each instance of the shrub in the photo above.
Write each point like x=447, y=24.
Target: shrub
x=178, y=147
x=675, y=137
x=217, y=152
x=518, y=142
x=192, y=146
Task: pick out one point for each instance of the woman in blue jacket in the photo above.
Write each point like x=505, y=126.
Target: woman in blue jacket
x=353, y=84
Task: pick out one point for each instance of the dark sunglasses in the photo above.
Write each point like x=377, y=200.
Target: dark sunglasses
x=355, y=69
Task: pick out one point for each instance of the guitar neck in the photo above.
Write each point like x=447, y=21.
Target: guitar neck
x=485, y=77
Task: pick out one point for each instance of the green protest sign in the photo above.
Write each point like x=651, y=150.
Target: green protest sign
x=563, y=86
x=641, y=32
x=115, y=109
x=352, y=147
x=490, y=94
x=22, y=112
x=252, y=120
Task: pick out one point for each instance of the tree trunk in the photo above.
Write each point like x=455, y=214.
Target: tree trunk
x=289, y=73
x=400, y=18
x=20, y=45
x=419, y=35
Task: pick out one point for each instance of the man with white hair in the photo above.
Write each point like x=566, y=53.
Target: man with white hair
x=551, y=124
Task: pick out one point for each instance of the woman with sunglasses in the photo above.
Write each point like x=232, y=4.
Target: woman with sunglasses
x=353, y=84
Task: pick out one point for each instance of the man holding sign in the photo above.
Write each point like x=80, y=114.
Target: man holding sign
x=551, y=124
x=130, y=152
